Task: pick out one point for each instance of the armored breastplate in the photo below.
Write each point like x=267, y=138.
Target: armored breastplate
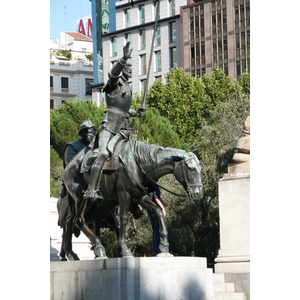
x=118, y=104
x=120, y=98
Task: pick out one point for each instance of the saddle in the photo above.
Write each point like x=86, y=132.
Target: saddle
x=114, y=147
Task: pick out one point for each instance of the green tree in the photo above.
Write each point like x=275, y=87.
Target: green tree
x=56, y=169
x=215, y=127
x=65, y=122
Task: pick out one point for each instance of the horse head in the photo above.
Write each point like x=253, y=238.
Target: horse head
x=188, y=172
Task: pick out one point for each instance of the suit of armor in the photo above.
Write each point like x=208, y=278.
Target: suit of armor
x=115, y=119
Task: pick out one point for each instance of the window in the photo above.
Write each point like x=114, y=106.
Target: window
x=226, y=69
x=247, y=10
x=243, y=39
x=51, y=103
x=128, y=39
x=248, y=38
x=225, y=44
x=214, y=23
x=142, y=14
x=157, y=36
x=62, y=101
x=172, y=7
x=244, y=66
x=143, y=64
x=173, y=32
x=51, y=83
x=192, y=52
x=173, y=57
x=203, y=48
x=88, y=86
x=238, y=68
x=237, y=40
x=64, y=84
x=158, y=61
x=142, y=39
x=142, y=85
x=127, y=18
x=113, y=46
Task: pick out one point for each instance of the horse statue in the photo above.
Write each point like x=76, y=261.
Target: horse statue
x=137, y=165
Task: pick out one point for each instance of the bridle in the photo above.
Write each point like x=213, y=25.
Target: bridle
x=185, y=177
x=188, y=185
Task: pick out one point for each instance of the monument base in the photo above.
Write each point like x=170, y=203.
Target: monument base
x=234, y=206
x=134, y=278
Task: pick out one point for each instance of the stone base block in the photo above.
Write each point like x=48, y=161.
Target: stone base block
x=136, y=278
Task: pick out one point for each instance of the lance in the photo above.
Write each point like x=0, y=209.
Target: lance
x=143, y=106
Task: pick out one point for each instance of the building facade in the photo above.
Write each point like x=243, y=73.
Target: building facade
x=136, y=25
x=216, y=33
x=73, y=78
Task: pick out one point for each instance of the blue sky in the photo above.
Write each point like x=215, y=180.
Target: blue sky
x=75, y=9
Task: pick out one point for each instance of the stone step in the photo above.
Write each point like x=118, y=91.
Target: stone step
x=220, y=287
x=219, y=278
x=229, y=296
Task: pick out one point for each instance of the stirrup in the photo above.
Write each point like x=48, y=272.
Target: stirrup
x=91, y=194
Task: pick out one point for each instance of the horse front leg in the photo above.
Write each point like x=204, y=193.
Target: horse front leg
x=164, y=244
x=124, y=201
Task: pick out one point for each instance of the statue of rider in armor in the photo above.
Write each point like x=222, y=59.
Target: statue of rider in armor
x=115, y=119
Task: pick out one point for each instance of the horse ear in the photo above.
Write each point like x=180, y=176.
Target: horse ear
x=176, y=158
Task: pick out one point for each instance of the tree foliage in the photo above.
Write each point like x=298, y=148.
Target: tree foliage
x=204, y=115
x=211, y=125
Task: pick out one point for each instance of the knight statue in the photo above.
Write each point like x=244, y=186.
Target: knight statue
x=115, y=120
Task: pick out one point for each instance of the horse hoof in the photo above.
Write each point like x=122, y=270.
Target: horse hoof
x=63, y=259
x=104, y=257
x=100, y=252
x=126, y=253
x=73, y=257
x=164, y=248
x=164, y=255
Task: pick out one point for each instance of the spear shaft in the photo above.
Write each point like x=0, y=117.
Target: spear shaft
x=143, y=106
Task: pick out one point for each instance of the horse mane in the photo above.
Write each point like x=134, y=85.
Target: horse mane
x=146, y=153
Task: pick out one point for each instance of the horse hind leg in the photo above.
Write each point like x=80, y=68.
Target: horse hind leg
x=124, y=208
x=66, y=247
x=99, y=249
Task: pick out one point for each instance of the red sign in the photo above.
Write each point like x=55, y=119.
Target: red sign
x=81, y=27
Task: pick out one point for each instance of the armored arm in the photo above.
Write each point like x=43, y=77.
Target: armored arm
x=118, y=66
x=134, y=113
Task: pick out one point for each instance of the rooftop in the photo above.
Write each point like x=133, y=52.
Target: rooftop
x=79, y=36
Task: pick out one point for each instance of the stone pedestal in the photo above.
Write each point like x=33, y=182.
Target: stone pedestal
x=135, y=278
x=234, y=209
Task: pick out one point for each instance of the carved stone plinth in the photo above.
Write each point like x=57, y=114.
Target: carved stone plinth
x=136, y=278
x=234, y=210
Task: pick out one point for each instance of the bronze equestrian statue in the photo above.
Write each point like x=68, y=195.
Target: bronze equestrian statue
x=115, y=170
